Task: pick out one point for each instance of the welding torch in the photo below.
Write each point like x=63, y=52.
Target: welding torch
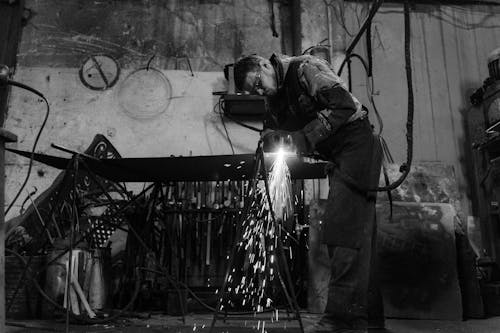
x=274, y=140
x=293, y=142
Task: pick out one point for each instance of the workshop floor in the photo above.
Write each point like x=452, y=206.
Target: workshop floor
x=201, y=324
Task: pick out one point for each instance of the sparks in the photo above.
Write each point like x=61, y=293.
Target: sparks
x=251, y=280
x=280, y=186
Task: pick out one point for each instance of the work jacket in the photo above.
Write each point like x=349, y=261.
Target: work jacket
x=311, y=98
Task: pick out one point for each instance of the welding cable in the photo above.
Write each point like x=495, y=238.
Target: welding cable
x=369, y=85
x=366, y=26
x=386, y=154
x=369, y=49
x=30, y=166
x=219, y=105
x=373, y=10
x=405, y=167
x=79, y=318
x=319, y=44
x=250, y=127
x=225, y=129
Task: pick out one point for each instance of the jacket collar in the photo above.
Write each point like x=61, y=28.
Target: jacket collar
x=280, y=64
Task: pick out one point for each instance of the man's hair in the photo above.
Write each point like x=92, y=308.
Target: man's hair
x=243, y=66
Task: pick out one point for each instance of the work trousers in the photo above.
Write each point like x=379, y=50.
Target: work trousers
x=353, y=295
x=354, y=298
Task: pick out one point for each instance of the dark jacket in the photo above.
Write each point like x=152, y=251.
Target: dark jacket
x=311, y=98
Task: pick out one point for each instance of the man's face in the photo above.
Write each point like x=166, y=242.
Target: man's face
x=263, y=81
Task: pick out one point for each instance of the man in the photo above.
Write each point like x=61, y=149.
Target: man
x=310, y=104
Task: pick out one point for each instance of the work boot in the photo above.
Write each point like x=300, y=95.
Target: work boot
x=329, y=325
x=376, y=324
x=332, y=329
x=371, y=324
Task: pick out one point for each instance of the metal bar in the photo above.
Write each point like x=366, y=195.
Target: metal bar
x=67, y=150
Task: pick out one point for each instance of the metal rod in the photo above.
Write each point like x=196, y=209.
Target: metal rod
x=67, y=150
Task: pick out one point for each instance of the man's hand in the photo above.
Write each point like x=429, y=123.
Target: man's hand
x=272, y=139
x=299, y=141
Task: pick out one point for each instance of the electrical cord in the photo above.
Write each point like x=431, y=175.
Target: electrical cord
x=225, y=127
x=405, y=167
x=30, y=165
x=252, y=128
x=222, y=114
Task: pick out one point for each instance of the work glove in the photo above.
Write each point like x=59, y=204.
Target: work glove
x=300, y=142
x=294, y=141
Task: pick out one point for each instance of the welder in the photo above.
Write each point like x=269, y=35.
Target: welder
x=309, y=104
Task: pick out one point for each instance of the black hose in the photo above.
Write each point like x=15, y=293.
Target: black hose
x=369, y=50
x=348, y=58
x=30, y=165
x=375, y=6
x=405, y=168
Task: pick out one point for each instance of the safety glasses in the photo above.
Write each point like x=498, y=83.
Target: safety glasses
x=257, y=84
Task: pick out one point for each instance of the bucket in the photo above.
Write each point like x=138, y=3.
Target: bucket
x=88, y=290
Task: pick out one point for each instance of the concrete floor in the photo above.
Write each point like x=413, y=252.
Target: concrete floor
x=201, y=323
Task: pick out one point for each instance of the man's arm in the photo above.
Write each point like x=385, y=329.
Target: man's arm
x=328, y=91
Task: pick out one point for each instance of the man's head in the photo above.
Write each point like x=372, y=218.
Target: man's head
x=255, y=75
